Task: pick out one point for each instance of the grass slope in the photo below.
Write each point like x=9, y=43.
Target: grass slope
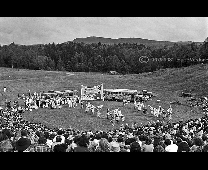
x=165, y=83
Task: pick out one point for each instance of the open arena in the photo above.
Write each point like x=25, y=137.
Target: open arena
x=37, y=81
x=22, y=81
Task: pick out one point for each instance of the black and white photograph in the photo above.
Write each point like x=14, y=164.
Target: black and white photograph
x=103, y=84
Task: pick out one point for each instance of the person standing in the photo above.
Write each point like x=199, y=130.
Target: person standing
x=82, y=104
x=144, y=110
x=5, y=89
x=108, y=114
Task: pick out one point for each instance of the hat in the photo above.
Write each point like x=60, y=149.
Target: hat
x=115, y=147
x=22, y=144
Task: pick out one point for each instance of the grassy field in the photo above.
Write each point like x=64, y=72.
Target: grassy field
x=165, y=83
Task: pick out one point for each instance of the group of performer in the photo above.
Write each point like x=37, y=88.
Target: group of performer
x=91, y=108
x=38, y=100
x=114, y=115
x=157, y=112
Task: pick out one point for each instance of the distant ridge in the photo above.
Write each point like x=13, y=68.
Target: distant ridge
x=102, y=40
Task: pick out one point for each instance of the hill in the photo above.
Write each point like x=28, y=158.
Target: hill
x=147, y=42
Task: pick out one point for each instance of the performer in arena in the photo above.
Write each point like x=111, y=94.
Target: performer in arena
x=82, y=104
x=5, y=89
x=108, y=113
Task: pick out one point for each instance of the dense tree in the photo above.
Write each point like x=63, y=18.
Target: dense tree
x=123, y=57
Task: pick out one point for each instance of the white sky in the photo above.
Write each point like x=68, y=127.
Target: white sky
x=37, y=30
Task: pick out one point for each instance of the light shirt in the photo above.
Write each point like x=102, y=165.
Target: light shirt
x=148, y=148
x=171, y=148
x=49, y=142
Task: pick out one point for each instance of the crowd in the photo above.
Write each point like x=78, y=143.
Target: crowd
x=20, y=135
x=202, y=103
x=44, y=100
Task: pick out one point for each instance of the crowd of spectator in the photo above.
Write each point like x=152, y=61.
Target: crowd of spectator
x=20, y=135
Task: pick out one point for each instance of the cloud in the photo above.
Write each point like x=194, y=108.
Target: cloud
x=25, y=30
x=35, y=30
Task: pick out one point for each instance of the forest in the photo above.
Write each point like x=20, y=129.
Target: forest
x=125, y=58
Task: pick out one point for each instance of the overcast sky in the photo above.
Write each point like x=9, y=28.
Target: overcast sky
x=37, y=30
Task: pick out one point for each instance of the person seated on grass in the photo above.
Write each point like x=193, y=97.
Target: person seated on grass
x=60, y=147
x=41, y=146
x=197, y=146
x=104, y=145
x=23, y=143
x=93, y=146
x=170, y=146
x=72, y=144
x=182, y=145
x=158, y=148
x=6, y=144
x=56, y=142
x=60, y=134
x=205, y=148
x=135, y=147
x=148, y=145
x=82, y=144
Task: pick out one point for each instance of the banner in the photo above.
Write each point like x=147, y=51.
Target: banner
x=92, y=93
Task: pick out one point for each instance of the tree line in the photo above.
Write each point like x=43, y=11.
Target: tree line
x=124, y=58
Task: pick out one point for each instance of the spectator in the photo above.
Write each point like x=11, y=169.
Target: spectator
x=182, y=146
x=170, y=146
x=114, y=147
x=205, y=148
x=60, y=148
x=57, y=142
x=74, y=141
x=198, y=144
x=135, y=147
x=82, y=144
x=5, y=143
x=148, y=146
x=60, y=134
x=103, y=146
x=23, y=143
x=49, y=139
x=205, y=139
x=158, y=148
x=42, y=146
